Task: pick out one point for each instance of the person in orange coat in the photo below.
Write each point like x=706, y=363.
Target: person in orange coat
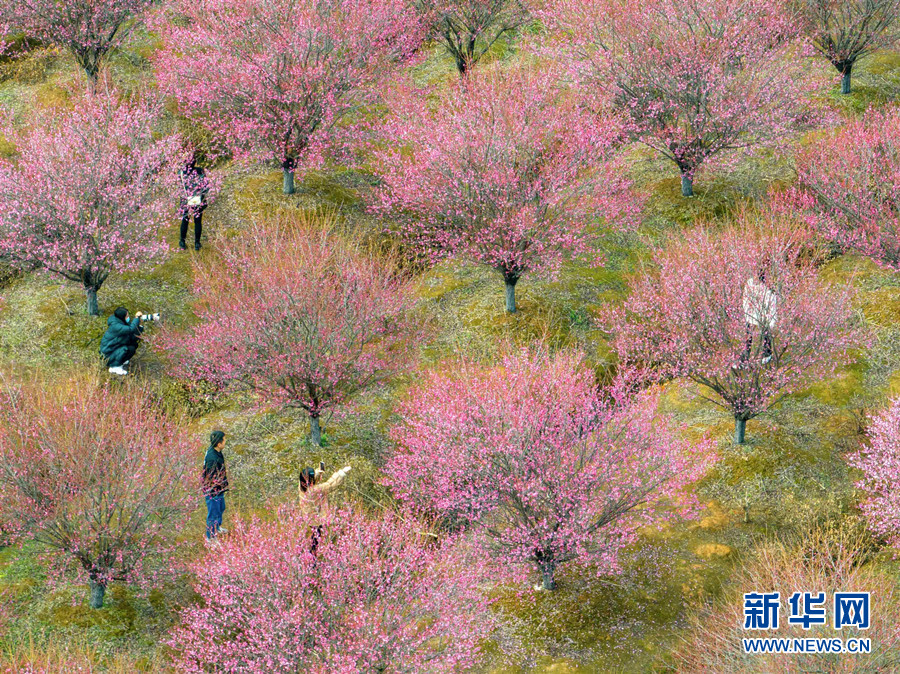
x=313, y=495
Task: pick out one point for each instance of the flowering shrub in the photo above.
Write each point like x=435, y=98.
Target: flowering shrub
x=844, y=31
x=275, y=78
x=303, y=317
x=374, y=596
x=503, y=169
x=848, y=185
x=693, y=316
x=89, y=189
x=89, y=29
x=468, y=29
x=879, y=461
x=696, y=78
x=543, y=470
x=98, y=476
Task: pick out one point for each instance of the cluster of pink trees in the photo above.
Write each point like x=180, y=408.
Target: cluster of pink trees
x=531, y=459
x=544, y=468
x=274, y=79
x=694, y=78
x=98, y=476
x=88, y=189
x=848, y=186
x=89, y=29
x=844, y=31
x=696, y=315
x=503, y=169
x=302, y=316
x=375, y=596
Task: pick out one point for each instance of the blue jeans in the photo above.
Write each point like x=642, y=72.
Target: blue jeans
x=215, y=507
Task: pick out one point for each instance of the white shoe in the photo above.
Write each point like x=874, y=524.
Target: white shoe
x=118, y=370
x=766, y=359
x=223, y=530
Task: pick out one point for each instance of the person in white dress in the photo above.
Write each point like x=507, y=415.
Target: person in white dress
x=760, y=305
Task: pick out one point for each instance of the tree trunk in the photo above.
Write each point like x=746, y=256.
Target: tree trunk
x=511, y=295
x=465, y=57
x=288, y=186
x=740, y=427
x=93, y=308
x=92, y=77
x=98, y=591
x=461, y=64
x=687, y=185
x=547, y=577
x=89, y=61
x=315, y=431
x=845, y=79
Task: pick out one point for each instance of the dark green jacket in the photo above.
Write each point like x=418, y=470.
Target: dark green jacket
x=214, y=480
x=120, y=333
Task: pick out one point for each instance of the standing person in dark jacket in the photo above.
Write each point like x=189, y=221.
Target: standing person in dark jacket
x=195, y=188
x=120, y=341
x=214, y=482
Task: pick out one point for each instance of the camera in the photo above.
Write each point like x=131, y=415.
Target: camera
x=149, y=317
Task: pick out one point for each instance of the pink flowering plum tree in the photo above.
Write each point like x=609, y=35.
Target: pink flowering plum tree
x=542, y=468
x=88, y=190
x=844, y=31
x=275, y=78
x=5, y=30
x=848, y=186
x=376, y=595
x=468, y=29
x=504, y=170
x=879, y=460
x=742, y=313
x=304, y=318
x=696, y=78
x=97, y=476
x=89, y=29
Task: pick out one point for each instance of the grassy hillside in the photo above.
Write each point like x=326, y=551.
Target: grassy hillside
x=790, y=477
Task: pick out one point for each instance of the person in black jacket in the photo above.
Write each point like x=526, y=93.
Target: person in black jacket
x=120, y=341
x=214, y=482
x=195, y=188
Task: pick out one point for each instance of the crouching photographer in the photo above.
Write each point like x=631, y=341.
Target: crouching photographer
x=121, y=339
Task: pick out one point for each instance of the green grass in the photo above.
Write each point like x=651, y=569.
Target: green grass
x=45, y=322
x=875, y=82
x=622, y=623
